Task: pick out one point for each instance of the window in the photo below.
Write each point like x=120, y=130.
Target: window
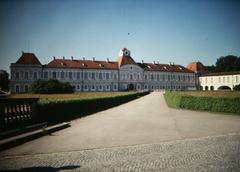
x=145, y=77
x=17, y=75
x=54, y=75
x=237, y=79
x=211, y=80
x=152, y=76
x=85, y=87
x=115, y=87
x=131, y=77
x=93, y=76
x=26, y=75
x=223, y=79
x=78, y=75
x=85, y=75
x=45, y=75
x=35, y=75
x=93, y=87
x=219, y=79
x=100, y=76
x=115, y=76
x=107, y=75
x=62, y=75
x=70, y=75
x=228, y=79
x=17, y=89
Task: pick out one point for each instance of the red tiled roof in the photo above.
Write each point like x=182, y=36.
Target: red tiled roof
x=28, y=58
x=196, y=67
x=124, y=60
x=164, y=67
x=67, y=63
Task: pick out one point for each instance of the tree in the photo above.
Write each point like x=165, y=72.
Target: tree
x=228, y=63
x=51, y=86
x=236, y=87
x=4, y=80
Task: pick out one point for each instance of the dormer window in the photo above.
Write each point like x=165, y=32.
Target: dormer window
x=100, y=65
x=165, y=67
x=83, y=64
x=149, y=67
x=180, y=68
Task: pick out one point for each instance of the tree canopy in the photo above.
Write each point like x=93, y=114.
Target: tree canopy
x=227, y=64
x=4, y=80
x=51, y=86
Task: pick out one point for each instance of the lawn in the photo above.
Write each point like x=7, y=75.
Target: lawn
x=211, y=93
x=80, y=95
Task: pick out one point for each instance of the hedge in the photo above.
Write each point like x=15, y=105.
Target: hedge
x=62, y=110
x=211, y=104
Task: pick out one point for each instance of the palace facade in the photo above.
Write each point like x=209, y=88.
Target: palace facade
x=94, y=75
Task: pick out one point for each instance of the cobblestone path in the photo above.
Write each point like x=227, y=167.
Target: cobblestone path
x=215, y=153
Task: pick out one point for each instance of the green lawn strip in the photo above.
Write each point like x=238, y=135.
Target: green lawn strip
x=209, y=103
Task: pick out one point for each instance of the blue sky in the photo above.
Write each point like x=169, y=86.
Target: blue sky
x=179, y=31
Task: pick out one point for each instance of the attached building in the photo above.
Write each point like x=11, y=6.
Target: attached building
x=94, y=75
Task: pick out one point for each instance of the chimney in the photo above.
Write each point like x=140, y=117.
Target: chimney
x=107, y=59
x=72, y=57
x=54, y=57
x=142, y=61
x=158, y=62
x=83, y=58
x=173, y=63
x=63, y=58
x=153, y=62
x=170, y=63
x=22, y=52
x=93, y=59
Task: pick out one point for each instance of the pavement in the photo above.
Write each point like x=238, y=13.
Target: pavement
x=142, y=135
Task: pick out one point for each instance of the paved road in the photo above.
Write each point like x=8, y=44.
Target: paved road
x=146, y=123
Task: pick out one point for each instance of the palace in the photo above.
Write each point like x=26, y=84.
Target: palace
x=94, y=75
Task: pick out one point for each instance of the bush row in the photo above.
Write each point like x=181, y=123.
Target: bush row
x=211, y=104
x=63, y=110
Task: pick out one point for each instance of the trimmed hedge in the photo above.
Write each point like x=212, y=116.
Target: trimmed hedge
x=212, y=104
x=62, y=110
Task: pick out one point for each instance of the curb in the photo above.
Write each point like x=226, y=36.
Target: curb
x=23, y=138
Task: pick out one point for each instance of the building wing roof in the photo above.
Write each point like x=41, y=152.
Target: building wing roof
x=28, y=58
x=164, y=67
x=68, y=63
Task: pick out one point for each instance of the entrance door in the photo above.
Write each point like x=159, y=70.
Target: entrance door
x=130, y=87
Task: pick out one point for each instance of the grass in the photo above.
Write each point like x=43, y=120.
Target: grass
x=211, y=93
x=211, y=101
x=60, y=97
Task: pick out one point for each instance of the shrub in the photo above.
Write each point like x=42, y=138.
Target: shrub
x=212, y=104
x=236, y=87
x=51, y=86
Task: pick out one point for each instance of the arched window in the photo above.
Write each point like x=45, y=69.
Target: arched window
x=206, y=88
x=212, y=88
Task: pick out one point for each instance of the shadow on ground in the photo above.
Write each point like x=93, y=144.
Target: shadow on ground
x=43, y=169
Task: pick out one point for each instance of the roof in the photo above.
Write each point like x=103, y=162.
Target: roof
x=222, y=73
x=124, y=60
x=28, y=58
x=68, y=63
x=196, y=67
x=164, y=67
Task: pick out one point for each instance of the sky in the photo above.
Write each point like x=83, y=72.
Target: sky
x=180, y=31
